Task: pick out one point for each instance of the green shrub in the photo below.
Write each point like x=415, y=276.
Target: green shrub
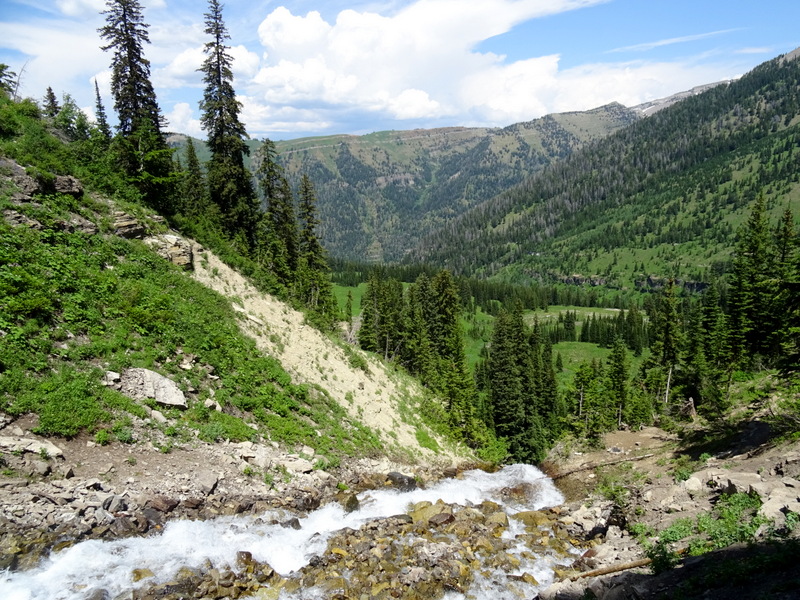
x=66, y=402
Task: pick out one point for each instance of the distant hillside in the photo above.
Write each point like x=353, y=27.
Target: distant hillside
x=662, y=197
x=380, y=193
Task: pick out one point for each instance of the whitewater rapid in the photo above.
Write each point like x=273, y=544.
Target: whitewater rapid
x=75, y=572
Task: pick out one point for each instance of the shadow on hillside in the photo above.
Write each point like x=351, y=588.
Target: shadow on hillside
x=767, y=570
x=725, y=440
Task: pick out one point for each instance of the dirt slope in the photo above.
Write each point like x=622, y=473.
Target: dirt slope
x=374, y=396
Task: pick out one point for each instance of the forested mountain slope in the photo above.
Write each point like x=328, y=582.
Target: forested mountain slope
x=378, y=194
x=663, y=196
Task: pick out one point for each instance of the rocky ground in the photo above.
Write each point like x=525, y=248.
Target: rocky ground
x=54, y=494
x=653, y=479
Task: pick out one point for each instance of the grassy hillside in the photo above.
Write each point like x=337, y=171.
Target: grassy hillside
x=662, y=197
x=77, y=299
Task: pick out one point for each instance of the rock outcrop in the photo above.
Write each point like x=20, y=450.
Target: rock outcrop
x=141, y=384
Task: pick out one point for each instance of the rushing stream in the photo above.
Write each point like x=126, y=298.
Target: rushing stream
x=75, y=572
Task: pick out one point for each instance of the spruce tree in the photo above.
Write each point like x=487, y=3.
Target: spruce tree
x=194, y=191
x=310, y=247
x=277, y=239
x=134, y=96
x=618, y=377
x=51, y=106
x=140, y=148
x=229, y=182
x=100, y=112
x=312, y=280
x=8, y=80
x=505, y=379
x=751, y=288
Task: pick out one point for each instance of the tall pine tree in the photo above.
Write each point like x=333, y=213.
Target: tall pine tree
x=100, y=114
x=313, y=276
x=140, y=147
x=229, y=182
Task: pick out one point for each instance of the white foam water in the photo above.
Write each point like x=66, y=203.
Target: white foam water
x=73, y=573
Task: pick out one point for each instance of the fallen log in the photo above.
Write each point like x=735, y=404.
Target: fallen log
x=604, y=464
x=613, y=569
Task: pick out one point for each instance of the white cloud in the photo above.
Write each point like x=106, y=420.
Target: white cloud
x=756, y=50
x=48, y=63
x=419, y=63
x=182, y=119
x=669, y=42
x=78, y=8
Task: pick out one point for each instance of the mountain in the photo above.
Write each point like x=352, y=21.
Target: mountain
x=663, y=196
x=380, y=193
x=652, y=107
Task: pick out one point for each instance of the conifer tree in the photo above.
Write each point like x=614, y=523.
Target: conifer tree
x=51, y=106
x=505, y=378
x=277, y=243
x=134, y=96
x=194, y=191
x=141, y=147
x=312, y=279
x=751, y=330
x=229, y=183
x=7, y=80
x=100, y=113
x=618, y=377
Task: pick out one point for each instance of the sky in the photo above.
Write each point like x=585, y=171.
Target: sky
x=307, y=68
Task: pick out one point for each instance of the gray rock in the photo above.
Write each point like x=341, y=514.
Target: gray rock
x=67, y=184
x=115, y=504
x=693, y=485
x=26, y=186
x=111, y=378
x=207, y=481
x=127, y=226
x=41, y=467
x=780, y=501
x=297, y=465
x=742, y=483
x=22, y=444
x=16, y=219
x=158, y=416
x=174, y=249
x=144, y=383
x=404, y=483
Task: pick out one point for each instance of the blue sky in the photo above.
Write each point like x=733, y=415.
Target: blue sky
x=305, y=67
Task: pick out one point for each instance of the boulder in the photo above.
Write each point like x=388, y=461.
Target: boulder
x=404, y=483
x=174, y=249
x=162, y=503
x=78, y=224
x=21, y=444
x=127, y=226
x=16, y=219
x=26, y=186
x=140, y=384
x=67, y=184
x=781, y=501
x=742, y=483
x=295, y=464
x=206, y=481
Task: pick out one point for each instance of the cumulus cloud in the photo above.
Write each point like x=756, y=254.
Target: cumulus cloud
x=400, y=64
x=182, y=118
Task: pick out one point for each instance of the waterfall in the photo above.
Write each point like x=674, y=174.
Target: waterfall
x=74, y=572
